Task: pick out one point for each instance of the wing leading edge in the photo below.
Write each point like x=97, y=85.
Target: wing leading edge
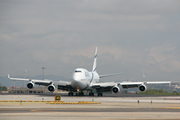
x=64, y=84
x=104, y=87
x=31, y=80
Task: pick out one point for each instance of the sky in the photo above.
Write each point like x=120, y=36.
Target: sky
x=132, y=36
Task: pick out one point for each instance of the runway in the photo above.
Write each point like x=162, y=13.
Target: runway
x=110, y=108
x=25, y=110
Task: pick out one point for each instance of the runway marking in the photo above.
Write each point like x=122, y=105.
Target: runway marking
x=160, y=109
x=172, y=107
x=49, y=109
x=32, y=110
x=44, y=110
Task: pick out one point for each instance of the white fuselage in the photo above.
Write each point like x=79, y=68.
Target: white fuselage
x=82, y=79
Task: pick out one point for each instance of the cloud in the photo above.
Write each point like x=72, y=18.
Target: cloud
x=43, y=55
x=131, y=36
x=162, y=53
x=165, y=57
x=170, y=66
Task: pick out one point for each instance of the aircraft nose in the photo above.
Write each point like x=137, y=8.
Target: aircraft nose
x=76, y=81
x=76, y=77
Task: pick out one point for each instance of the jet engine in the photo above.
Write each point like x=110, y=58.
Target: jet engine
x=142, y=88
x=115, y=89
x=51, y=88
x=30, y=85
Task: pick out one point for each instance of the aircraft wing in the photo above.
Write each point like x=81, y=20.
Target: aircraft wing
x=103, y=87
x=137, y=84
x=162, y=82
x=41, y=82
x=61, y=85
x=64, y=85
x=103, y=84
x=106, y=87
x=127, y=83
x=35, y=81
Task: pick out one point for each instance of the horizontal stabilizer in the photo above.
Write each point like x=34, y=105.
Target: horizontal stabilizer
x=107, y=75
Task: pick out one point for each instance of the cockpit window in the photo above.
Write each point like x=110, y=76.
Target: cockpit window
x=77, y=71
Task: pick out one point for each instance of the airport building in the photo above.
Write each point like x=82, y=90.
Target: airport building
x=26, y=90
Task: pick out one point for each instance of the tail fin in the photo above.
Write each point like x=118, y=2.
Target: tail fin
x=94, y=64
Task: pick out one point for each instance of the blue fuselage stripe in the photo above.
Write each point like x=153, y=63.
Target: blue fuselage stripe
x=92, y=77
x=90, y=81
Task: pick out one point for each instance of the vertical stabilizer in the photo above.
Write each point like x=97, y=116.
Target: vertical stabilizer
x=94, y=64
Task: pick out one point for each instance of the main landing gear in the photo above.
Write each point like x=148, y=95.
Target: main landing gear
x=100, y=94
x=77, y=94
x=91, y=94
x=80, y=93
x=70, y=93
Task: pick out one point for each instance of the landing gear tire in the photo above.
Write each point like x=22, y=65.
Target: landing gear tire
x=91, y=94
x=100, y=94
x=70, y=94
x=81, y=94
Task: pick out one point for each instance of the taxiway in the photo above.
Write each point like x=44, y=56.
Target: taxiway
x=110, y=108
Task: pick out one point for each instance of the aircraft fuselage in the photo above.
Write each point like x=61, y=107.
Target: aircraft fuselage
x=82, y=79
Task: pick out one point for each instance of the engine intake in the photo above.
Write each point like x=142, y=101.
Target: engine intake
x=30, y=85
x=115, y=89
x=142, y=88
x=51, y=88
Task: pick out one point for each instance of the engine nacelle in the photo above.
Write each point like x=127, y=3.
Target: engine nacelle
x=142, y=88
x=30, y=85
x=115, y=89
x=51, y=88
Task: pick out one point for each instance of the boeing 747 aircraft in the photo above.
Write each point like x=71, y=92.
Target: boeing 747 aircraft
x=83, y=80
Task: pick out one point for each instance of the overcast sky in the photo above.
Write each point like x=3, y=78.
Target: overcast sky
x=131, y=36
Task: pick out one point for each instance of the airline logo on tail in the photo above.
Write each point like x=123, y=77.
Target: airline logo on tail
x=95, y=60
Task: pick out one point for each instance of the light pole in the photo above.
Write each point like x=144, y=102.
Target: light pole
x=43, y=77
x=143, y=76
x=24, y=76
x=43, y=71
